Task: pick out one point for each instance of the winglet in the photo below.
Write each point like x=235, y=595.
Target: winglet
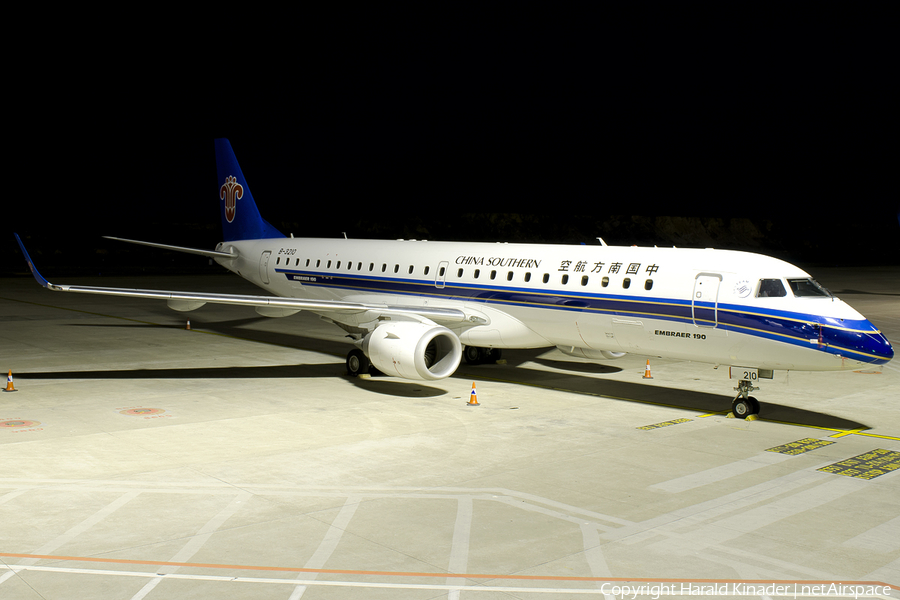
x=34, y=271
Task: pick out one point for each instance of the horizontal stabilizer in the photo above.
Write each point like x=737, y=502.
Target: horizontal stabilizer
x=209, y=253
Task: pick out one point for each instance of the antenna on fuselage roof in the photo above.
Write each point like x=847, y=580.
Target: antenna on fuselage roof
x=602, y=243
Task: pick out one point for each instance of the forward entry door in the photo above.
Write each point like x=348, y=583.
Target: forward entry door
x=705, y=301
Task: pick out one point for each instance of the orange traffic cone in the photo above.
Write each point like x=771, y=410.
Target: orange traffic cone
x=647, y=371
x=9, y=383
x=473, y=399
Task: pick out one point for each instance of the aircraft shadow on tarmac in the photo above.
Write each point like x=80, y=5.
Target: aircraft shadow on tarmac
x=576, y=377
x=238, y=328
x=410, y=389
x=577, y=367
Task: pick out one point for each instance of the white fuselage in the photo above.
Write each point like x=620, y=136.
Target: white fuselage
x=693, y=304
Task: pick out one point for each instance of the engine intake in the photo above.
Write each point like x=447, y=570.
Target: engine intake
x=422, y=351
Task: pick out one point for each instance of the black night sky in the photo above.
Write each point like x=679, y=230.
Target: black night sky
x=778, y=140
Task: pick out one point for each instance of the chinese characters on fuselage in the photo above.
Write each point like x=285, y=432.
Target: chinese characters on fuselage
x=579, y=266
x=614, y=267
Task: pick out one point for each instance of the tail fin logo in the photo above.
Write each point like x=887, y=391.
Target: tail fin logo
x=231, y=192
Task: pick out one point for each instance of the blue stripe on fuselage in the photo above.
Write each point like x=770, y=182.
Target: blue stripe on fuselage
x=858, y=340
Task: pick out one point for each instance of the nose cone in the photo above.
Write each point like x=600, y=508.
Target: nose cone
x=881, y=348
x=863, y=343
x=872, y=346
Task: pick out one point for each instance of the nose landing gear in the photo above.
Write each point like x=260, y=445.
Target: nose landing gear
x=744, y=404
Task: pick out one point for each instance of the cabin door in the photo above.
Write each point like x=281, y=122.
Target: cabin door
x=264, y=266
x=705, y=301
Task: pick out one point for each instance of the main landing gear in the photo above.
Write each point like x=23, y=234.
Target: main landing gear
x=358, y=363
x=744, y=404
x=480, y=356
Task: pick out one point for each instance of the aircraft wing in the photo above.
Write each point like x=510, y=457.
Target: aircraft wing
x=196, y=299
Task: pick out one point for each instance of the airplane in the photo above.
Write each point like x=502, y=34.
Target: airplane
x=415, y=308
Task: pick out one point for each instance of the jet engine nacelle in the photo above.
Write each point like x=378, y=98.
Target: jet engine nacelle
x=411, y=350
x=590, y=353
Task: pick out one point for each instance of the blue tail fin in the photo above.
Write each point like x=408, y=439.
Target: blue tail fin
x=240, y=217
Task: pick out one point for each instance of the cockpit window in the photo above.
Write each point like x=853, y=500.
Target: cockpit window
x=771, y=288
x=808, y=287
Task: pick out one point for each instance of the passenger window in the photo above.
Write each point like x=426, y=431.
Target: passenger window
x=396, y=268
x=371, y=267
x=477, y=273
x=459, y=273
x=338, y=265
x=328, y=266
x=410, y=269
x=509, y=276
x=546, y=277
x=626, y=283
x=383, y=267
x=605, y=282
x=441, y=273
x=427, y=269
x=493, y=275
x=527, y=277
x=565, y=279
x=318, y=262
x=278, y=261
x=584, y=280
x=648, y=285
x=771, y=288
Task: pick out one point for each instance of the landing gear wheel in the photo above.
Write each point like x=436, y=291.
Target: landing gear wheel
x=741, y=408
x=480, y=356
x=754, y=405
x=744, y=404
x=357, y=363
x=472, y=355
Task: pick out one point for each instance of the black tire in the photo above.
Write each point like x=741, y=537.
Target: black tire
x=473, y=355
x=479, y=356
x=741, y=408
x=754, y=405
x=357, y=363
